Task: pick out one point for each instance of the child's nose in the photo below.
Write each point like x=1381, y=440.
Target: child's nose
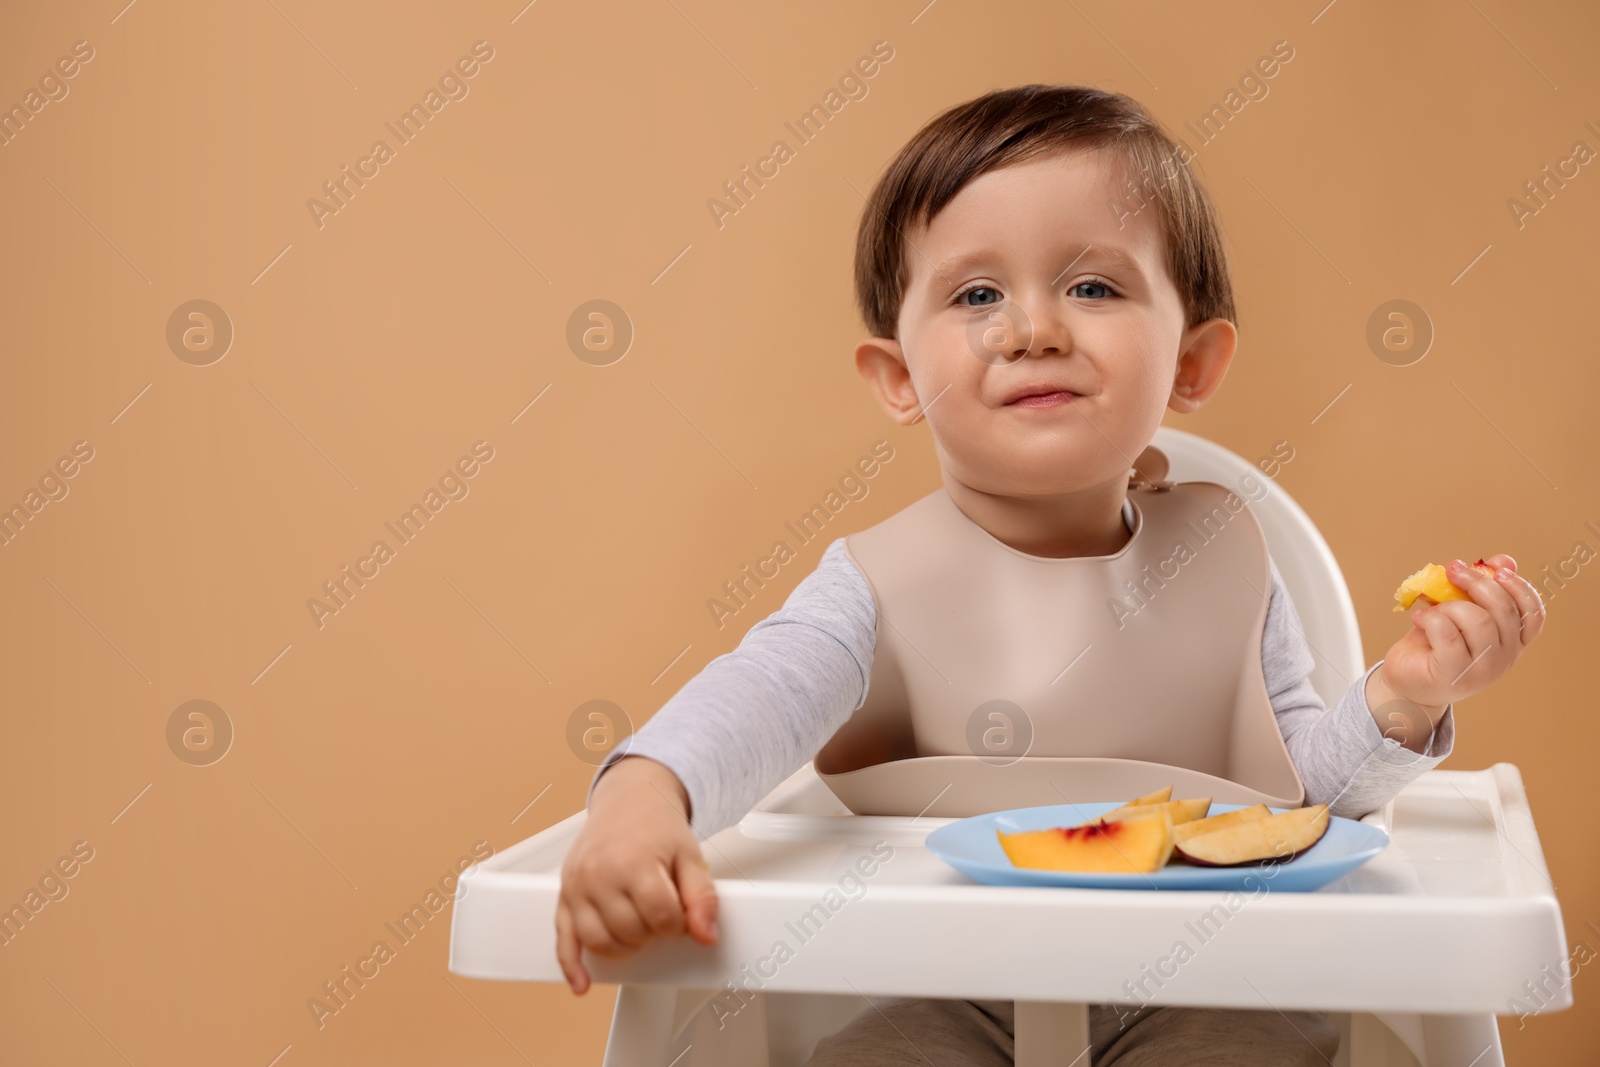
x=1003, y=335
x=1048, y=333
x=1017, y=328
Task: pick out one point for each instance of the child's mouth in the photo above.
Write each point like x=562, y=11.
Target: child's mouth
x=1046, y=400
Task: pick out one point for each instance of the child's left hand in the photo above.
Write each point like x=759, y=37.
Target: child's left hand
x=1460, y=647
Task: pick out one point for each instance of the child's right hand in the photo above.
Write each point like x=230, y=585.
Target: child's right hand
x=635, y=871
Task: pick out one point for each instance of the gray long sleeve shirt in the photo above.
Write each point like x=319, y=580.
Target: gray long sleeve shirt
x=756, y=714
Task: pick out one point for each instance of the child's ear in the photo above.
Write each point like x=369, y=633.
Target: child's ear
x=1204, y=353
x=882, y=363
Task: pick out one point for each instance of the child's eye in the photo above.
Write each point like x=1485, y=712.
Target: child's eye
x=994, y=295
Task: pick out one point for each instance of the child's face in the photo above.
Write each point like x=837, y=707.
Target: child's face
x=1030, y=277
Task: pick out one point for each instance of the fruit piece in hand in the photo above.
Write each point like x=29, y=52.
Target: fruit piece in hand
x=1275, y=837
x=1432, y=583
x=1183, y=831
x=1134, y=845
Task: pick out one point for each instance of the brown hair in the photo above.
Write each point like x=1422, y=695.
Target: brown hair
x=1013, y=125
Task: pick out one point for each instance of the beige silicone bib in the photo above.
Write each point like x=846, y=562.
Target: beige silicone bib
x=1004, y=680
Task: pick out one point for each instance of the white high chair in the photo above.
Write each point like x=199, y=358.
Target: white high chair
x=1413, y=953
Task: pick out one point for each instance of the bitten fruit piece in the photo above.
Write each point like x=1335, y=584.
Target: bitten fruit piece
x=1183, y=831
x=1137, y=845
x=1432, y=584
x=1276, y=837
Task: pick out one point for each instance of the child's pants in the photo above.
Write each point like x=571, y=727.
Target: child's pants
x=979, y=1033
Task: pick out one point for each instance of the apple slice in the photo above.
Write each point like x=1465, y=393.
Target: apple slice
x=1183, y=831
x=1275, y=837
x=1158, y=797
x=1182, y=811
x=1128, y=846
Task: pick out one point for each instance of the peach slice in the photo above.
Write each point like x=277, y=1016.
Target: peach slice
x=1275, y=837
x=1182, y=811
x=1158, y=797
x=1183, y=831
x=1135, y=845
x=1433, y=584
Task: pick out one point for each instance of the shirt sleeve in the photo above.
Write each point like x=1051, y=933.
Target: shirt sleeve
x=756, y=714
x=1343, y=759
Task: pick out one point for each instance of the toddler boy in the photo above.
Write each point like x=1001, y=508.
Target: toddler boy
x=1042, y=276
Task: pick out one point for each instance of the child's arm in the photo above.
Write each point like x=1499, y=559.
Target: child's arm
x=746, y=722
x=1358, y=754
x=753, y=716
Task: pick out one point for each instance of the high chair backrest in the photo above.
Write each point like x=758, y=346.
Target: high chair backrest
x=1307, y=564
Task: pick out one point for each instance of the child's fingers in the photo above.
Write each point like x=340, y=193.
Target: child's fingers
x=698, y=892
x=1494, y=598
x=595, y=934
x=655, y=899
x=1445, y=639
x=568, y=953
x=1530, y=605
x=1500, y=559
x=625, y=928
x=1480, y=634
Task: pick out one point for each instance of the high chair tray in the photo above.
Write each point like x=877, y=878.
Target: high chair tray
x=1453, y=916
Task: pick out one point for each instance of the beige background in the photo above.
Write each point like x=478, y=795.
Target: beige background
x=373, y=753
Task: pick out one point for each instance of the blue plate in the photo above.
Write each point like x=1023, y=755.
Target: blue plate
x=971, y=847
